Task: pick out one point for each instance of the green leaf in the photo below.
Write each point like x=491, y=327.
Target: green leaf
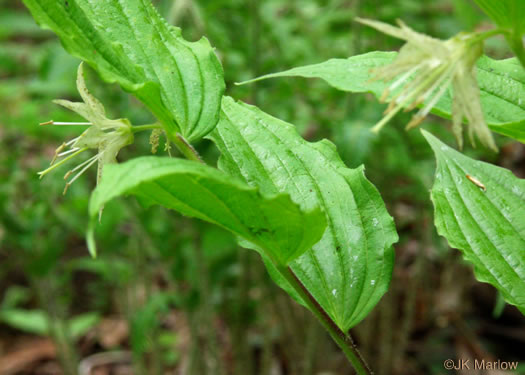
x=36, y=322
x=502, y=85
x=505, y=13
x=273, y=225
x=127, y=42
x=349, y=270
x=479, y=209
x=81, y=324
x=14, y=295
x=30, y=321
x=146, y=320
x=18, y=24
x=509, y=15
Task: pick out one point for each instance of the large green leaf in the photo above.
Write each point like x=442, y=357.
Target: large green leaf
x=274, y=225
x=480, y=210
x=350, y=268
x=505, y=13
x=509, y=15
x=502, y=85
x=127, y=42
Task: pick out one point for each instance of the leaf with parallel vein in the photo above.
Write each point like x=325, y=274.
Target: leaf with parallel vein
x=127, y=42
x=349, y=270
x=479, y=209
x=271, y=224
x=501, y=82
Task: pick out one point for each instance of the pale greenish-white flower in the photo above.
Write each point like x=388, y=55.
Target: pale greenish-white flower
x=423, y=71
x=104, y=135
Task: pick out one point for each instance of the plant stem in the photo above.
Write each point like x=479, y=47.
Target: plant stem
x=197, y=360
x=132, y=304
x=388, y=306
x=255, y=42
x=141, y=128
x=411, y=293
x=310, y=350
x=489, y=33
x=241, y=347
x=57, y=323
x=209, y=337
x=55, y=165
x=185, y=148
x=516, y=45
x=342, y=339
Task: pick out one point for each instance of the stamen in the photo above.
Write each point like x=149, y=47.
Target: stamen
x=73, y=140
x=66, y=176
x=419, y=86
x=416, y=103
x=59, y=123
x=46, y=171
x=68, y=152
x=387, y=118
x=415, y=121
x=71, y=123
x=68, y=184
x=406, y=96
x=384, y=95
x=82, y=171
x=411, y=89
x=418, y=117
x=403, y=78
x=435, y=99
x=443, y=77
x=390, y=107
x=57, y=151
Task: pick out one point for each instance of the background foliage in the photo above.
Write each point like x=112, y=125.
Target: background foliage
x=178, y=293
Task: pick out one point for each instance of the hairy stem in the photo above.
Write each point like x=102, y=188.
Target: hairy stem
x=342, y=339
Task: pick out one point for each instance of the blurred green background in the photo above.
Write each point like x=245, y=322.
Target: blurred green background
x=169, y=295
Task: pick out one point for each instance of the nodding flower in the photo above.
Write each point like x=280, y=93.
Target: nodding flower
x=423, y=71
x=104, y=135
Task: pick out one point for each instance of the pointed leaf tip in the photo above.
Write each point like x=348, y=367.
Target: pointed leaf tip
x=90, y=239
x=478, y=208
x=272, y=224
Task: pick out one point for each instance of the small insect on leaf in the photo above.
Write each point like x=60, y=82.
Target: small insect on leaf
x=476, y=182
